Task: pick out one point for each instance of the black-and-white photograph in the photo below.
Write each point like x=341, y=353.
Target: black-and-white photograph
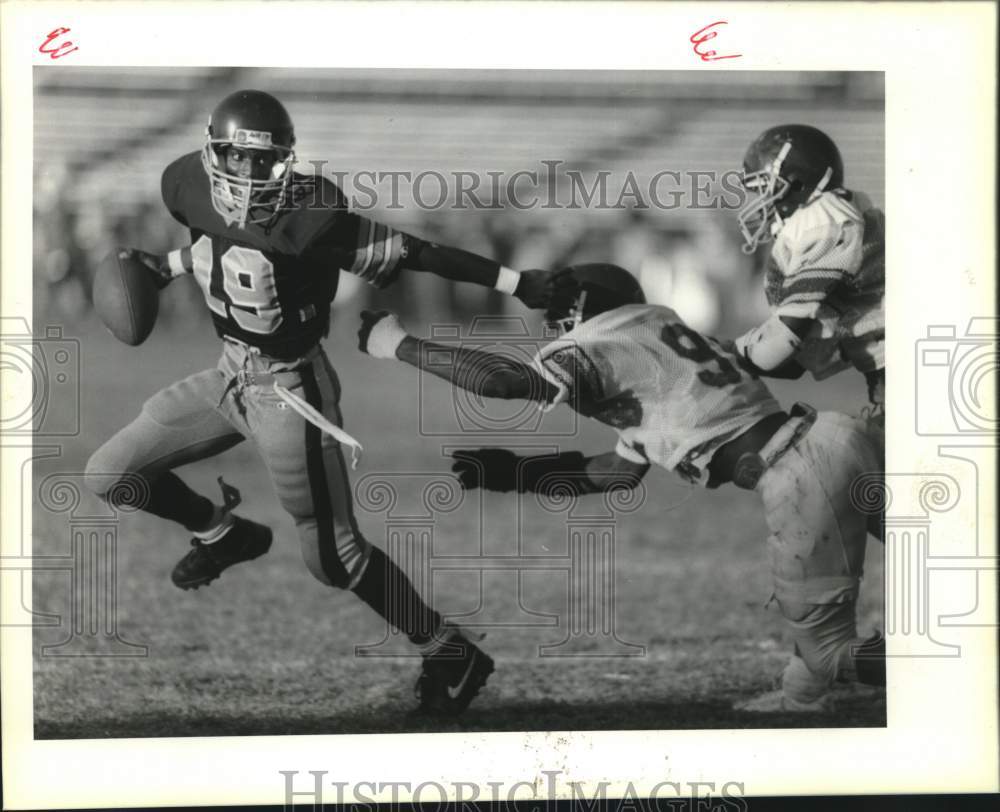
x=460, y=400
x=447, y=401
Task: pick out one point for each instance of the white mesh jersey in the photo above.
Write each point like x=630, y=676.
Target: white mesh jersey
x=673, y=395
x=828, y=264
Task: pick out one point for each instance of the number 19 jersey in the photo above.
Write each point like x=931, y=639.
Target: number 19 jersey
x=673, y=395
x=270, y=285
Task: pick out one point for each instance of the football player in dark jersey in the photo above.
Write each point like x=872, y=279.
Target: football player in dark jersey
x=267, y=248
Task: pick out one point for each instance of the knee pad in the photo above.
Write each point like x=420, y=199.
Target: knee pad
x=108, y=477
x=105, y=469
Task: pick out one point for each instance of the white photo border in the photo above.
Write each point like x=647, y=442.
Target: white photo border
x=939, y=64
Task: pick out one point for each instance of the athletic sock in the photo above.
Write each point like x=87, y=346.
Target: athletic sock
x=217, y=527
x=169, y=498
x=387, y=590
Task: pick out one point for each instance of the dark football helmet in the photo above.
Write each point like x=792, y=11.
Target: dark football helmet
x=250, y=120
x=785, y=168
x=601, y=287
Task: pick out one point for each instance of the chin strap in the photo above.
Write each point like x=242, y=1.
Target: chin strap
x=821, y=186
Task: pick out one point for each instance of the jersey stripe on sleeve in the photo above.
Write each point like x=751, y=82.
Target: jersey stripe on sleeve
x=378, y=254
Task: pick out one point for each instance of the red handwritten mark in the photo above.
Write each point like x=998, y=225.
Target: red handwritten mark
x=701, y=37
x=55, y=51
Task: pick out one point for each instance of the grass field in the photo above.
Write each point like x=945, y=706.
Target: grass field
x=268, y=650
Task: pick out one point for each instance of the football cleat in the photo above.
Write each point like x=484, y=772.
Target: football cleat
x=204, y=563
x=869, y=660
x=777, y=702
x=452, y=674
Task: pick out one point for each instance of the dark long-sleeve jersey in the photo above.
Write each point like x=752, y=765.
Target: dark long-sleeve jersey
x=270, y=285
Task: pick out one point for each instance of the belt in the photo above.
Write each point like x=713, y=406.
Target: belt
x=744, y=459
x=245, y=377
x=280, y=383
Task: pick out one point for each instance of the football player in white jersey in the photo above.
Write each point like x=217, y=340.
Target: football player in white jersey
x=691, y=405
x=825, y=277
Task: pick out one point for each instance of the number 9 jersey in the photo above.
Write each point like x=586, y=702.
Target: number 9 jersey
x=673, y=395
x=270, y=284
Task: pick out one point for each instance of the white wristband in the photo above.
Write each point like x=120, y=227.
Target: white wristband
x=175, y=263
x=769, y=345
x=507, y=280
x=385, y=338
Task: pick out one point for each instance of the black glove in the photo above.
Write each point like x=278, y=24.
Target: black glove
x=493, y=469
x=497, y=469
x=158, y=266
x=547, y=290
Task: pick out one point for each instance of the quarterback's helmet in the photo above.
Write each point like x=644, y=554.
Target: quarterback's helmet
x=250, y=120
x=785, y=168
x=601, y=287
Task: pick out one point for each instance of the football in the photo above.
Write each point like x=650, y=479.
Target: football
x=126, y=297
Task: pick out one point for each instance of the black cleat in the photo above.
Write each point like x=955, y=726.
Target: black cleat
x=452, y=675
x=869, y=660
x=204, y=563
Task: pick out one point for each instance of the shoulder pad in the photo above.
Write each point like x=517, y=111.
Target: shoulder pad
x=176, y=178
x=314, y=210
x=829, y=211
x=313, y=192
x=827, y=234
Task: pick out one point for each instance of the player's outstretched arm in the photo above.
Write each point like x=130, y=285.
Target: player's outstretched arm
x=164, y=267
x=498, y=469
x=378, y=253
x=537, y=289
x=483, y=373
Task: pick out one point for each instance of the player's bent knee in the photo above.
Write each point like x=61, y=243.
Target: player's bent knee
x=108, y=477
x=103, y=470
x=318, y=571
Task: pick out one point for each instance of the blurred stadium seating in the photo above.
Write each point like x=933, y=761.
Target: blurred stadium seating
x=103, y=136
